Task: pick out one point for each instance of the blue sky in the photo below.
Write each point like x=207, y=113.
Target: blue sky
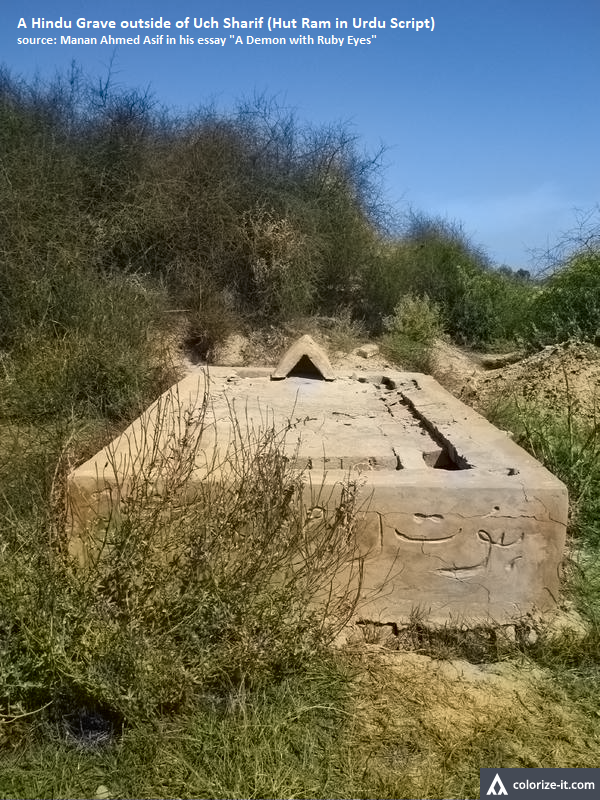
x=491, y=119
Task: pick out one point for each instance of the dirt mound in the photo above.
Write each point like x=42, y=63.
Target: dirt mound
x=563, y=374
x=557, y=375
x=457, y=370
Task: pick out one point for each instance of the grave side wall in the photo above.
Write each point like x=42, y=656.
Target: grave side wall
x=475, y=544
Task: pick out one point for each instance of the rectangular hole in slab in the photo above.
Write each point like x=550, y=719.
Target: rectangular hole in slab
x=440, y=459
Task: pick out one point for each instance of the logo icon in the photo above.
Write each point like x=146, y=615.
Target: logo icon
x=497, y=786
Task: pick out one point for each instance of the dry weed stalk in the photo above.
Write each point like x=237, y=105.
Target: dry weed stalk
x=210, y=566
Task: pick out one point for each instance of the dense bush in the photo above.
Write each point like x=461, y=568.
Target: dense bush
x=93, y=346
x=433, y=258
x=247, y=215
x=411, y=331
x=567, y=304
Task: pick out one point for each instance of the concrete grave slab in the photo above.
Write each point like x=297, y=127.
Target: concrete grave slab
x=459, y=524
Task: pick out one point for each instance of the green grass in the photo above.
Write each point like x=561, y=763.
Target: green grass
x=362, y=725
x=280, y=741
x=568, y=444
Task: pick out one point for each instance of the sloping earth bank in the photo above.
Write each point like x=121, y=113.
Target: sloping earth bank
x=562, y=374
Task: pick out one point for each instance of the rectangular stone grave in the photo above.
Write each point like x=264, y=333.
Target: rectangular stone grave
x=459, y=525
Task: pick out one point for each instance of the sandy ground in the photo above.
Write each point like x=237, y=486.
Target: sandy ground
x=558, y=375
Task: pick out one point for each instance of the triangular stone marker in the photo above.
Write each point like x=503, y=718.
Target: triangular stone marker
x=304, y=359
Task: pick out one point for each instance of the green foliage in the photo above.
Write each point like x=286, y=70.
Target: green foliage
x=93, y=348
x=417, y=318
x=567, y=304
x=236, y=585
x=245, y=217
x=491, y=307
x=75, y=337
x=434, y=258
x=242, y=216
x=411, y=331
x=569, y=446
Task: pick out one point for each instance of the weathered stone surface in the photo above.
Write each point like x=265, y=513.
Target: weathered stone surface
x=458, y=523
x=367, y=350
